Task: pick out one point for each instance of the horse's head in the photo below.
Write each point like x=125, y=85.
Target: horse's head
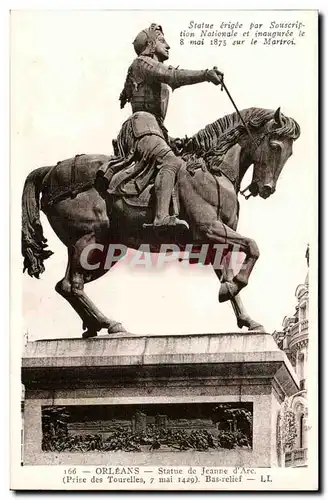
x=269, y=158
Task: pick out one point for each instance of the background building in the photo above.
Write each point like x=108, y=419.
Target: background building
x=293, y=339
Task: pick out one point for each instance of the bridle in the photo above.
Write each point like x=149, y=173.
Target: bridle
x=256, y=143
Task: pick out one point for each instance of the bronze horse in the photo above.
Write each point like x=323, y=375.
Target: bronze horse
x=208, y=201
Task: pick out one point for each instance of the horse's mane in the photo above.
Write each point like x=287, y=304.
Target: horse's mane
x=213, y=141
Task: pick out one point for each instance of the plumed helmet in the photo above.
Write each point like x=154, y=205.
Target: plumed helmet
x=144, y=43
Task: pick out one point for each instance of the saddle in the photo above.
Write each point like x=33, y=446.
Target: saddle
x=125, y=183
x=75, y=184
x=70, y=177
x=147, y=199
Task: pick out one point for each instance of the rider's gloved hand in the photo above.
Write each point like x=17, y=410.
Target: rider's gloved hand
x=178, y=143
x=214, y=76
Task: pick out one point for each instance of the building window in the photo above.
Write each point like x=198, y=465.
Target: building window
x=302, y=430
x=300, y=365
x=302, y=312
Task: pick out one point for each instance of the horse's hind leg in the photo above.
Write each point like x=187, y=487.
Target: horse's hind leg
x=71, y=287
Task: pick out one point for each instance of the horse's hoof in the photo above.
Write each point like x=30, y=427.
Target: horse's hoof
x=243, y=321
x=116, y=328
x=256, y=327
x=88, y=334
x=226, y=292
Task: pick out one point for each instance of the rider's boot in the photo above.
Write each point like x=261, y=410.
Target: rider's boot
x=164, y=184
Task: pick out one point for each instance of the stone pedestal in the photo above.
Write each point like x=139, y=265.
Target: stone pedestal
x=150, y=370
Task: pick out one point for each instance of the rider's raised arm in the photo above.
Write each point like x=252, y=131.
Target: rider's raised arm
x=154, y=71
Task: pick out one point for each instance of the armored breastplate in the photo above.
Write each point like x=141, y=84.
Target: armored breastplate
x=152, y=98
x=148, y=81
x=147, y=92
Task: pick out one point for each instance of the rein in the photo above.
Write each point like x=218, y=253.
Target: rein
x=223, y=86
x=235, y=182
x=255, y=143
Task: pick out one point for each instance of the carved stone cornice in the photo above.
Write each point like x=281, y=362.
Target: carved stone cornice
x=301, y=344
x=234, y=359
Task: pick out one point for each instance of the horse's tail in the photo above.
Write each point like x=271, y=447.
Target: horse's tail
x=34, y=244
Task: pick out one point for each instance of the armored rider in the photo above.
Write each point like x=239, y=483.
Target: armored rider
x=146, y=88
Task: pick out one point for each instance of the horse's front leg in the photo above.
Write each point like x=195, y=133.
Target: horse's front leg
x=220, y=233
x=243, y=319
x=226, y=274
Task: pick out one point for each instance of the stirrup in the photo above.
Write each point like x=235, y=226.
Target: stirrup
x=169, y=221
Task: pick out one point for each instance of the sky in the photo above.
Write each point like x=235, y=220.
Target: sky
x=68, y=69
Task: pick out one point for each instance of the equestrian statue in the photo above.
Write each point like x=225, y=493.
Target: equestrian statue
x=154, y=189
